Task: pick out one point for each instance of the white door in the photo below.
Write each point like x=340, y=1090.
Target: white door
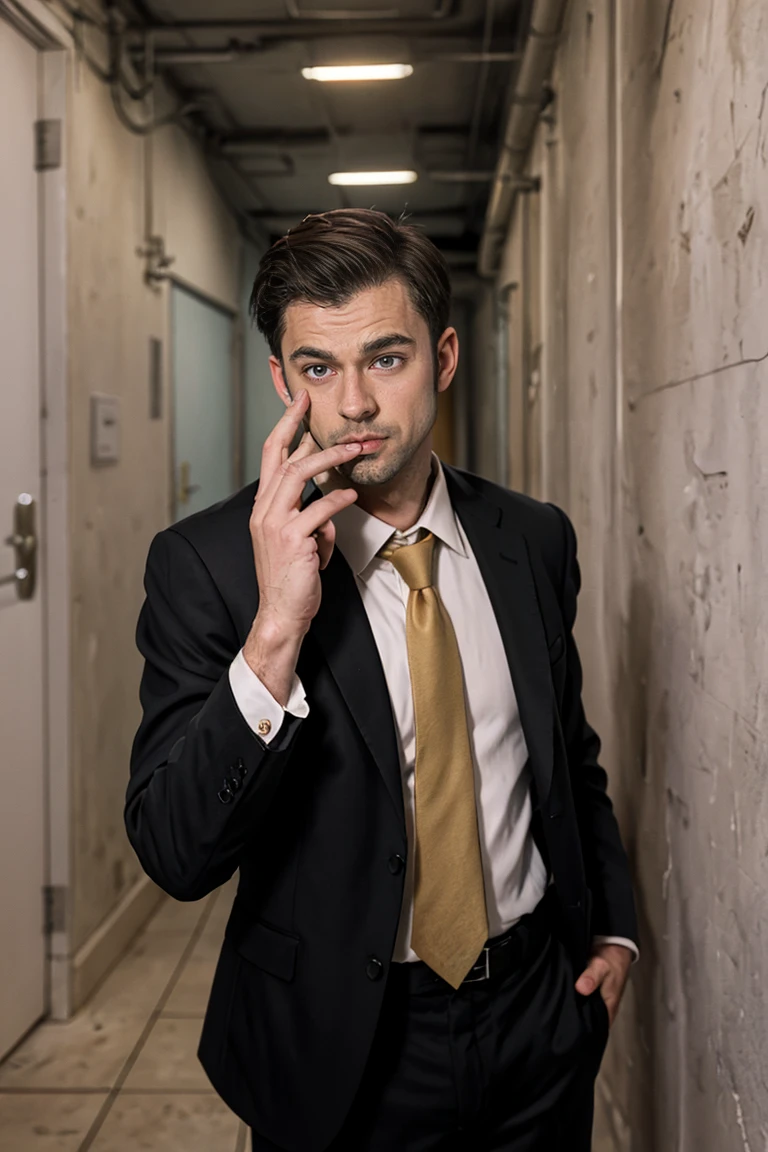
x=203, y=403
x=22, y=943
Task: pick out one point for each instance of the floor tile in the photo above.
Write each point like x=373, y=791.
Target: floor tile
x=167, y=1124
x=88, y=1051
x=46, y=1123
x=177, y=915
x=190, y=994
x=208, y=944
x=136, y=984
x=168, y=1059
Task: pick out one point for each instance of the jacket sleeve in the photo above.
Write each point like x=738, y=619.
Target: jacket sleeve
x=605, y=861
x=201, y=779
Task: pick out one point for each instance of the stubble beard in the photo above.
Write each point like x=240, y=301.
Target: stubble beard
x=369, y=471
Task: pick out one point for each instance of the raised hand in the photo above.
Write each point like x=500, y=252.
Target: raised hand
x=290, y=545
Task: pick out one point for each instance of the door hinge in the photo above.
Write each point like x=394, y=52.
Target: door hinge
x=54, y=908
x=47, y=145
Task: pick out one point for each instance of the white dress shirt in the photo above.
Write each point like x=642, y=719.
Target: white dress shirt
x=514, y=873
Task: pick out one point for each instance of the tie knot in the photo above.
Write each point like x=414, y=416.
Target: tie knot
x=413, y=562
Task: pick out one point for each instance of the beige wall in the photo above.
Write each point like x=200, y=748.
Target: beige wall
x=117, y=508
x=653, y=246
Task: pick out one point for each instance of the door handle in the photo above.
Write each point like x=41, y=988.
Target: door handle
x=185, y=488
x=24, y=540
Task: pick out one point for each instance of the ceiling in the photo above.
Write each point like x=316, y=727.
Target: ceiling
x=274, y=136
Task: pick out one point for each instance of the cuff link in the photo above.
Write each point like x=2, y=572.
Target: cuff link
x=264, y=727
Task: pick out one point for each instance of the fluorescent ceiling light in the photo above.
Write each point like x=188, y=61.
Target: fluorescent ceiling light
x=350, y=179
x=359, y=72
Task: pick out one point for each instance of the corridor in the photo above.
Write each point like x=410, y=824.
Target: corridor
x=592, y=180
x=122, y=1074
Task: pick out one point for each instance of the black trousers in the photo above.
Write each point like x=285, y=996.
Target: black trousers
x=502, y=1065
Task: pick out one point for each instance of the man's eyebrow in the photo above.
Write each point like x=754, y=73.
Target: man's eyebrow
x=380, y=344
x=384, y=342
x=307, y=353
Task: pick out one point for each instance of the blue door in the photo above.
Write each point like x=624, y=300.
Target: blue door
x=203, y=403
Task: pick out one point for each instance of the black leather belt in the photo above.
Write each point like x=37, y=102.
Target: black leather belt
x=513, y=950
x=509, y=951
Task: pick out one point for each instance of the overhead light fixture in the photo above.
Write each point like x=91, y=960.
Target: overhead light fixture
x=358, y=72
x=351, y=179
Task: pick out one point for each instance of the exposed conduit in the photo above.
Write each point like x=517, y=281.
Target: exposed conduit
x=442, y=9
x=535, y=67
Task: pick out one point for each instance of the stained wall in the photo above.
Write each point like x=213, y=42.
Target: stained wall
x=652, y=237
x=117, y=508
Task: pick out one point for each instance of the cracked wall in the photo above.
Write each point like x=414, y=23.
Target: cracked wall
x=653, y=236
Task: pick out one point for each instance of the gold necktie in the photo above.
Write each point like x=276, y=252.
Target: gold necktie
x=450, y=923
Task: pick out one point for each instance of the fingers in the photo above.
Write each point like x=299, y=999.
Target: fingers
x=316, y=515
x=287, y=486
x=267, y=488
x=599, y=973
x=281, y=437
x=592, y=976
x=326, y=538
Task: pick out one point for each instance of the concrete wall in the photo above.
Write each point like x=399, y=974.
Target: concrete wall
x=652, y=240
x=117, y=508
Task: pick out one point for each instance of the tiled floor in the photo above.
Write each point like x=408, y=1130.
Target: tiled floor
x=123, y=1075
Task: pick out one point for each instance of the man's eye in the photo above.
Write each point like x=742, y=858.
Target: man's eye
x=313, y=368
x=390, y=361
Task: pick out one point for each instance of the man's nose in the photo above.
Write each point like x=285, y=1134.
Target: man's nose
x=357, y=401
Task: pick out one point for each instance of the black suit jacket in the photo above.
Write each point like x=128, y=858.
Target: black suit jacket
x=315, y=820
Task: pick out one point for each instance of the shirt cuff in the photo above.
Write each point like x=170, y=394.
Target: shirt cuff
x=260, y=710
x=619, y=940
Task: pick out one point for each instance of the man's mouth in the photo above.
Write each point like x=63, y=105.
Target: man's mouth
x=370, y=444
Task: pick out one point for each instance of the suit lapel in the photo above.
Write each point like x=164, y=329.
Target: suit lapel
x=342, y=631
x=502, y=556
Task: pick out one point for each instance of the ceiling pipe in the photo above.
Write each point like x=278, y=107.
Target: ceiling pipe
x=244, y=142
x=474, y=57
x=224, y=54
x=460, y=177
x=442, y=10
x=482, y=82
x=476, y=176
x=306, y=29
x=238, y=50
x=527, y=101
x=280, y=215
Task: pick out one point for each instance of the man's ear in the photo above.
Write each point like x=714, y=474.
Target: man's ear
x=447, y=356
x=278, y=379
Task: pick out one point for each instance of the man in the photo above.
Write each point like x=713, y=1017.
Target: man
x=368, y=699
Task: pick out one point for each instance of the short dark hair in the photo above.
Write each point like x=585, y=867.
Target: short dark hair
x=331, y=256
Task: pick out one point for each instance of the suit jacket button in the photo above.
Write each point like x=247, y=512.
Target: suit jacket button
x=225, y=794
x=374, y=969
x=395, y=864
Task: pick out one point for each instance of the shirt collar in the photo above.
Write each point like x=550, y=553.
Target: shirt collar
x=361, y=536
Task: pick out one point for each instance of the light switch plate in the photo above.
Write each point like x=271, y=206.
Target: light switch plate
x=105, y=429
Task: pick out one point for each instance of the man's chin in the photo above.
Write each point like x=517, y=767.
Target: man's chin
x=367, y=470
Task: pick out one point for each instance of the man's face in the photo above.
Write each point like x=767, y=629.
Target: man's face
x=369, y=369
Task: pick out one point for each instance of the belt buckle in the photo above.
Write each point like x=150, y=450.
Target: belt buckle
x=486, y=975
